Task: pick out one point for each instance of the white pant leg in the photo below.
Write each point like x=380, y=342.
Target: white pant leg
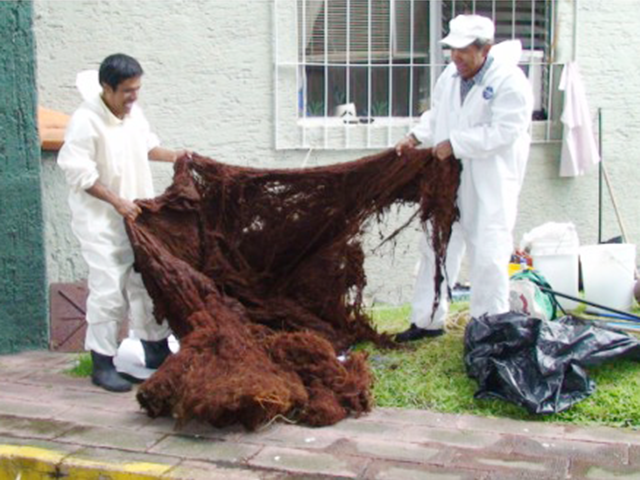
x=424, y=291
x=489, y=254
x=487, y=214
x=107, y=305
x=143, y=323
x=116, y=292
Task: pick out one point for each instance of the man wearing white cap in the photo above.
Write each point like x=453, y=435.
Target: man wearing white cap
x=480, y=114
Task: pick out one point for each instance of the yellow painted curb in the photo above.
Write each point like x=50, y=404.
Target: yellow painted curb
x=27, y=463
x=19, y=462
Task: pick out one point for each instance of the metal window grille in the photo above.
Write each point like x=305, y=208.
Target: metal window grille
x=358, y=73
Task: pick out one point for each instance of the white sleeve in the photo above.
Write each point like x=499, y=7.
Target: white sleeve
x=511, y=111
x=152, y=141
x=423, y=130
x=77, y=157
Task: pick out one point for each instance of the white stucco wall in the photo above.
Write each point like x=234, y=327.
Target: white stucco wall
x=608, y=35
x=209, y=87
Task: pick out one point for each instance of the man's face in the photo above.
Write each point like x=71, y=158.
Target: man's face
x=121, y=100
x=469, y=59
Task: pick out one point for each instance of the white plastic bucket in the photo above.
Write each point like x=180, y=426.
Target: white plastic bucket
x=558, y=264
x=608, y=274
x=554, y=248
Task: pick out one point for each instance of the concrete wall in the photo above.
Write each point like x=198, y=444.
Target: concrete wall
x=23, y=298
x=209, y=87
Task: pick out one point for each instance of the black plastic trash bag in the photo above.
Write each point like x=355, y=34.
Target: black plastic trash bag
x=540, y=364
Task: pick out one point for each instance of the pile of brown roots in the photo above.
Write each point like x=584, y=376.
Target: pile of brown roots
x=260, y=275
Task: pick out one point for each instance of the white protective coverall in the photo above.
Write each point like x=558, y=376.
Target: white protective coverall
x=490, y=135
x=100, y=146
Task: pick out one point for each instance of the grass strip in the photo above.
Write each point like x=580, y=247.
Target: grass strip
x=430, y=374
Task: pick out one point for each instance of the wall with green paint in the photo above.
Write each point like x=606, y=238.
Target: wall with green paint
x=23, y=293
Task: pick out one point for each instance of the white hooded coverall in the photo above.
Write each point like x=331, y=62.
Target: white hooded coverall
x=489, y=133
x=100, y=146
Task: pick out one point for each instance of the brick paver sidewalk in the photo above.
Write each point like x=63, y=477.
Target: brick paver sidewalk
x=56, y=426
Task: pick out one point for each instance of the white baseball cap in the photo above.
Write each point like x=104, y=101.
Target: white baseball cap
x=466, y=29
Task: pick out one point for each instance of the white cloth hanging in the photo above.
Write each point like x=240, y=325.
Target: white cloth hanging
x=579, y=148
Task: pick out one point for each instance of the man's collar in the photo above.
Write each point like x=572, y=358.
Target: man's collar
x=111, y=118
x=478, y=77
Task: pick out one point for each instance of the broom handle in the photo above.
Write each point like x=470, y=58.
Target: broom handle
x=615, y=205
x=600, y=165
x=625, y=237
x=603, y=172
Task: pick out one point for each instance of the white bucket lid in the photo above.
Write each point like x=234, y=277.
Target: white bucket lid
x=620, y=253
x=563, y=247
x=551, y=239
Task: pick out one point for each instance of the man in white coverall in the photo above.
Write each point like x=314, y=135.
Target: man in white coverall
x=480, y=114
x=105, y=158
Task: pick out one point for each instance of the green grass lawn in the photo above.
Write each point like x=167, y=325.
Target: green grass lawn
x=430, y=374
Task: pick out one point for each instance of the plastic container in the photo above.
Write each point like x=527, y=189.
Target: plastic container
x=555, y=249
x=607, y=274
x=559, y=266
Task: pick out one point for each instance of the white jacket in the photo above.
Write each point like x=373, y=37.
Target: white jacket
x=489, y=133
x=100, y=146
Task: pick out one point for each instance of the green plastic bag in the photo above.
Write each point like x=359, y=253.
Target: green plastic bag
x=525, y=295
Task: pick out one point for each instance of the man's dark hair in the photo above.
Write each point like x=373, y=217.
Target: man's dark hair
x=117, y=68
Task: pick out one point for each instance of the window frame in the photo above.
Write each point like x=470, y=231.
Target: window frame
x=294, y=129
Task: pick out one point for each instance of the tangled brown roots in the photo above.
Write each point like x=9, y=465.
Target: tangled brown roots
x=260, y=275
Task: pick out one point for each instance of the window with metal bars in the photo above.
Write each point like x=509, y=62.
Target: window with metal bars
x=358, y=73
x=382, y=56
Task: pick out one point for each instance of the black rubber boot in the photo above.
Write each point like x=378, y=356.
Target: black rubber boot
x=155, y=353
x=105, y=375
x=416, y=333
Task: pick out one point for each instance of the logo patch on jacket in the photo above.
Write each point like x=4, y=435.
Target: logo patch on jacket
x=487, y=93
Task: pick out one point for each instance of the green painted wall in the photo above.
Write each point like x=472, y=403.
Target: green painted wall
x=23, y=292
